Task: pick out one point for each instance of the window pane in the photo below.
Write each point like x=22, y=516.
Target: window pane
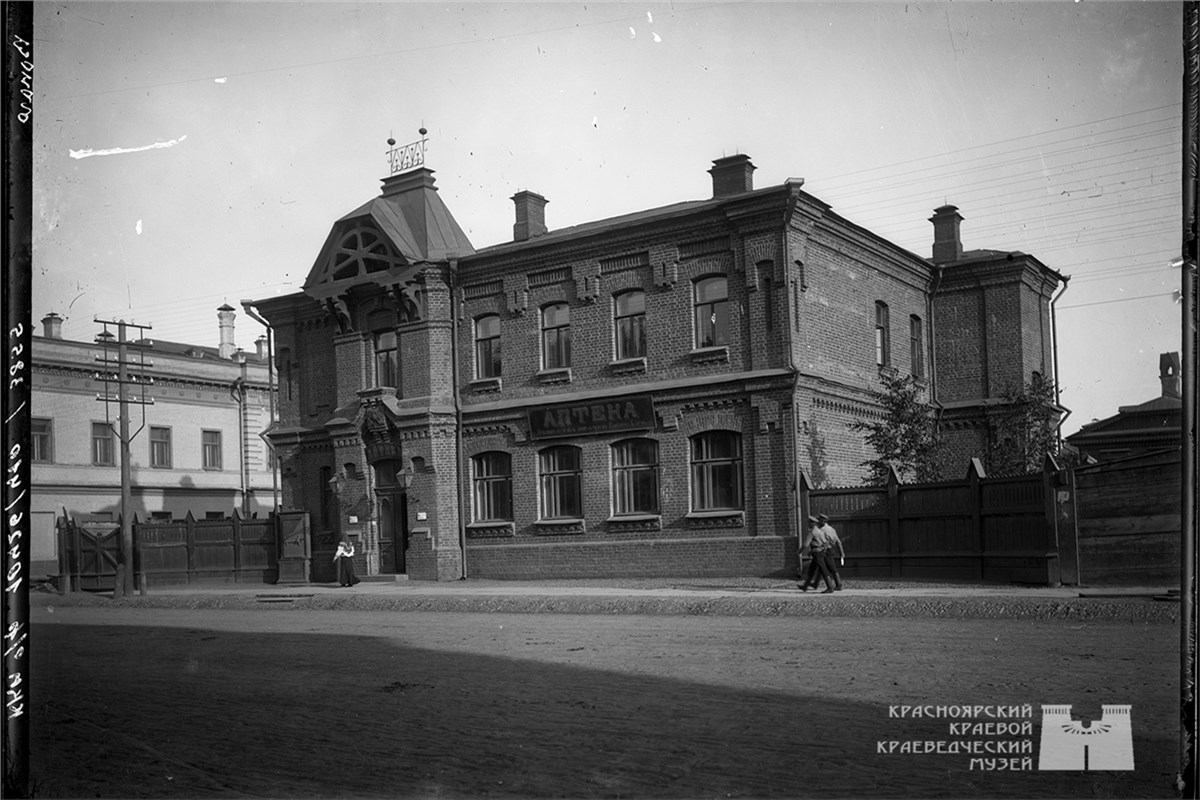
x=42, y=440
x=493, y=487
x=630, y=319
x=102, y=444
x=711, y=289
x=487, y=327
x=556, y=315
x=561, y=483
x=160, y=447
x=716, y=471
x=631, y=303
x=211, y=446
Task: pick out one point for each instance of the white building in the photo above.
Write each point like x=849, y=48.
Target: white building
x=197, y=448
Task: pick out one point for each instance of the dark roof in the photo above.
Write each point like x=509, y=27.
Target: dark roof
x=623, y=220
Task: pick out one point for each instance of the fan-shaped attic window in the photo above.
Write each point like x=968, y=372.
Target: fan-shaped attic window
x=361, y=251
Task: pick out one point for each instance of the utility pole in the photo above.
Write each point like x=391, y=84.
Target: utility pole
x=125, y=578
x=1189, y=772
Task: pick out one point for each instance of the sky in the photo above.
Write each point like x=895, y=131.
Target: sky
x=192, y=154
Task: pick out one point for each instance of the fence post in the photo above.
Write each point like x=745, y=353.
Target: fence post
x=78, y=553
x=237, y=547
x=895, y=568
x=64, y=555
x=975, y=476
x=1050, y=528
x=190, y=523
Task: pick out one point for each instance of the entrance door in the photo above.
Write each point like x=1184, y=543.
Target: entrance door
x=393, y=514
x=393, y=520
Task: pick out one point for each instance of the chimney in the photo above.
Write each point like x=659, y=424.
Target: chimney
x=260, y=346
x=52, y=326
x=531, y=215
x=225, y=315
x=732, y=175
x=947, y=244
x=1168, y=373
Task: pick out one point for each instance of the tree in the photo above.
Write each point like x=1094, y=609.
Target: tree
x=906, y=437
x=1025, y=430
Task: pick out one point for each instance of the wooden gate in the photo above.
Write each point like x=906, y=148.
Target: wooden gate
x=88, y=553
x=227, y=550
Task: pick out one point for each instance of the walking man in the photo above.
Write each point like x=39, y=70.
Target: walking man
x=818, y=564
x=835, y=554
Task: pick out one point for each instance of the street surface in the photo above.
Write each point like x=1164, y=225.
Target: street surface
x=131, y=702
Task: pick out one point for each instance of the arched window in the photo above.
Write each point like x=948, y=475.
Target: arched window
x=635, y=477
x=883, y=339
x=712, y=312
x=629, y=324
x=556, y=336
x=561, y=482
x=492, y=479
x=487, y=346
x=716, y=471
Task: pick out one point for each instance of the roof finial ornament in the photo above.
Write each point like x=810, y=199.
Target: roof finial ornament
x=406, y=156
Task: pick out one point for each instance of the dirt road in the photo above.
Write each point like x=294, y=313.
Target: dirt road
x=185, y=703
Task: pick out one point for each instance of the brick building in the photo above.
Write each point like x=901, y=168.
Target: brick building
x=631, y=396
x=197, y=450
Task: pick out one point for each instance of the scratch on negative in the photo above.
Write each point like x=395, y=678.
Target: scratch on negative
x=117, y=150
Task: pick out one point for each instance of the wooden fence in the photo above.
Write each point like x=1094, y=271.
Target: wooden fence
x=978, y=528
x=187, y=551
x=1128, y=517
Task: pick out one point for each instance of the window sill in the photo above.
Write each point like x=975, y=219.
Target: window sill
x=490, y=530
x=730, y=518
x=630, y=523
x=628, y=366
x=556, y=375
x=558, y=527
x=485, y=385
x=710, y=355
x=888, y=371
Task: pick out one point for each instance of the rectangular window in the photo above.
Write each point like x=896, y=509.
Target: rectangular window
x=160, y=516
x=214, y=515
x=160, y=448
x=41, y=433
x=916, y=346
x=493, y=487
x=102, y=444
x=210, y=445
x=487, y=347
x=712, y=312
x=562, y=483
x=387, y=364
x=556, y=336
x=883, y=344
x=716, y=471
x=630, y=324
x=635, y=477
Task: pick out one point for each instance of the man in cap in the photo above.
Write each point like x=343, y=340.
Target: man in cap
x=818, y=564
x=834, y=552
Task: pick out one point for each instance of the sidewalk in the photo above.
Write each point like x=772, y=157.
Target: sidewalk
x=715, y=596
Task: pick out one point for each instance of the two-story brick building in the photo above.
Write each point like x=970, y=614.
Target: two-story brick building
x=631, y=396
